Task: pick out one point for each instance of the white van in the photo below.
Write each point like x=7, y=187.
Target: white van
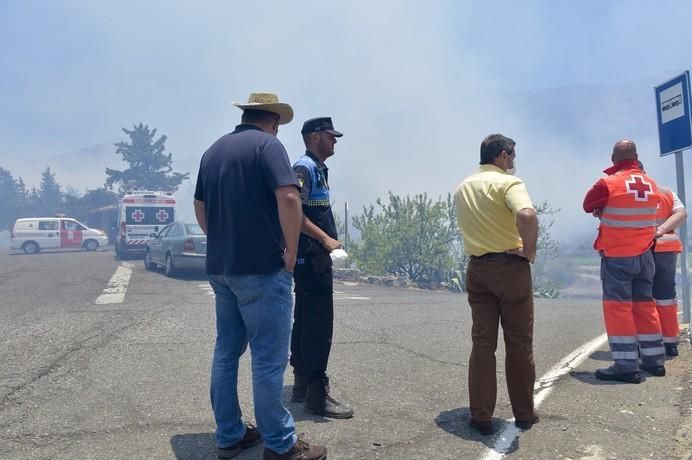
x=36, y=233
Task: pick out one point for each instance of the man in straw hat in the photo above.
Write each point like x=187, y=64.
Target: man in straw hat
x=248, y=204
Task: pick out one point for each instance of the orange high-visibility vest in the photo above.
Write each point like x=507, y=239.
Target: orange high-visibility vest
x=670, y=241
x=628, y=220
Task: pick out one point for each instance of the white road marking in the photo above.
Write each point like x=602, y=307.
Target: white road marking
x=117, y=286
x=207, y=287
x=595, y=453
x=340, y=295
x=543, y=387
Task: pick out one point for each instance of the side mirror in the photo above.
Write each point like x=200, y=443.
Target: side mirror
x=152, y=235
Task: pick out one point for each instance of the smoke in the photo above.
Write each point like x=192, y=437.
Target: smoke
x=414, y=86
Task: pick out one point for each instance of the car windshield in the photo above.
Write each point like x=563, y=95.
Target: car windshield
x=193, y=229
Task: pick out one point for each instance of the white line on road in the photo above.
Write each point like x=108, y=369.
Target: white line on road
x=340, y=295
x=206, y=287
x=117, y=286
x=542, y=389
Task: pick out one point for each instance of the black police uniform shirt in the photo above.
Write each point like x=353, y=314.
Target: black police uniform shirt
x=237, y=178
x=313, y=176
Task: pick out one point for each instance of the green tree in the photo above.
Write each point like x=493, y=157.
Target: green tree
x=547, y=280
x=418, y=237
x=48, y=199
x=79, y=207
x=409, y=236
x=150, y=167
x=13, y=198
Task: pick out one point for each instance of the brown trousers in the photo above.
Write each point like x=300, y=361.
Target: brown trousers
x=500, y=291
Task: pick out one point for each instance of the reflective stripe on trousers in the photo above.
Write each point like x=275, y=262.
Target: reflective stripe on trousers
x=665, y=295
x=631, y=320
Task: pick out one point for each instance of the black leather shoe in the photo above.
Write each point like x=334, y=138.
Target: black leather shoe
x=671, y=349
x=609, y=374
x=527, y=424
x=318, y=401
x=657, y=371
x=252, y=437
x=484, y=428
x=329, y=407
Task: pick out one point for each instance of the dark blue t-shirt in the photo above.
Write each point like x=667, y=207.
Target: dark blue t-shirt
x=237, y=178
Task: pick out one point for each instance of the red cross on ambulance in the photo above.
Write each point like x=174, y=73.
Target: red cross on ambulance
x=640, y=188
x=137, y=215
x=162, y=215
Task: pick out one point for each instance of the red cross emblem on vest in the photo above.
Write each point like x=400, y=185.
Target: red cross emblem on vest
x=138, y=215
x=162, y=215
x=638, y=187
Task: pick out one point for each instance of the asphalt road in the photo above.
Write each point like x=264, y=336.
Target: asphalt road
x=83, y=379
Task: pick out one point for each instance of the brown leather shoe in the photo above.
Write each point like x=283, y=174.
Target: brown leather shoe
x=485, y=428
x=251, y=438
x=300, y=451
x=527, y=424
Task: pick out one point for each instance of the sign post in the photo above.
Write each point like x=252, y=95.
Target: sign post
x=674, y=136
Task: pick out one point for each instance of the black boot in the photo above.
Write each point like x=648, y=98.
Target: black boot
x=300, y=388
x=671, y=349
x=319, y=402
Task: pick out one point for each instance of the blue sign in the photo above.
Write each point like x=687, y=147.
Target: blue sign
x=673, y=108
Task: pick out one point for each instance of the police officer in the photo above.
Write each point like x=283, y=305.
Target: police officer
x=311, y=338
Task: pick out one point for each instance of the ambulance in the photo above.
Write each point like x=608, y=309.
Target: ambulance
x=141, y=214
x=34, y=234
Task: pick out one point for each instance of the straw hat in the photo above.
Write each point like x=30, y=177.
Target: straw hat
x=269, y=102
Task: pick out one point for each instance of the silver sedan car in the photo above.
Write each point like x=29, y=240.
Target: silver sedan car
x=177, y=246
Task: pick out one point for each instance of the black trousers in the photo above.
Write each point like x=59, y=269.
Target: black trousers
x=313, y=322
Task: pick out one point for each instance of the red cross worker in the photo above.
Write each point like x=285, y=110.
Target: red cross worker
x=626, y=202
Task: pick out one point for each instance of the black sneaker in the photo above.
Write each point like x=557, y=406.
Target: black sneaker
x=657, y=371
x=484, y=428
x=671, y=349
x=610, y=374
x=252, y=437
x=527, y=424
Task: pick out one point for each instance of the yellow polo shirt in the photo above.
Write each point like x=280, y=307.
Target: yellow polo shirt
x=487, y=203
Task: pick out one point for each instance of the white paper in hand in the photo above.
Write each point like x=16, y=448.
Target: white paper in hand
x=338, y=255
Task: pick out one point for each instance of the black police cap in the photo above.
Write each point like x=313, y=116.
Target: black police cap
x=320, y=125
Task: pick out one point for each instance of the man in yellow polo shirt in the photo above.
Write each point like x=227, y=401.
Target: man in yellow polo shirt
x=500, y=231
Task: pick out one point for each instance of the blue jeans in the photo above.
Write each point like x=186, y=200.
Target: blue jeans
x=254, y=309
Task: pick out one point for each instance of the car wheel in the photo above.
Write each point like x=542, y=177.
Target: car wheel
x=31, y=247
x=91, y=245
x=169, y=268
x=148, y=264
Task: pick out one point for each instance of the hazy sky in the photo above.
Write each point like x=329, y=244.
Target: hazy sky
x=414, y=85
